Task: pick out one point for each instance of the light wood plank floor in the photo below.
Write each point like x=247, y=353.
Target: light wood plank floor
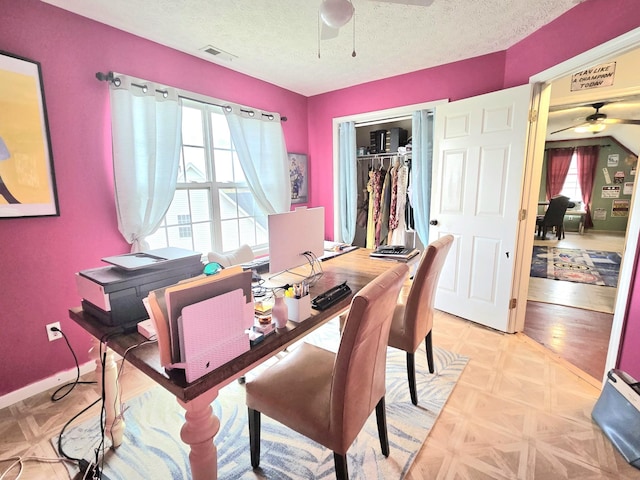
x=574, y=319
x=517, y=412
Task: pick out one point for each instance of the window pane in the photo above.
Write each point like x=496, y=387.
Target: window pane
x=262, y=231
x=179, y=206
x=246, y=203
x=194, y=164
x=220, y=131
x=224, y=166
x=237, y=170
x=230, y=239
x=247, y=231
x=192, y=127
x=176, y=238
x=228, y=203
x=158, y=239
x=200, y=210
x=202, y=240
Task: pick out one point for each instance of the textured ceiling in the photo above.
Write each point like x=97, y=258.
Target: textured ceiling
x=277, y=40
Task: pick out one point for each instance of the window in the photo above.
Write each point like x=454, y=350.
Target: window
x=213, y=208
x=571, y=187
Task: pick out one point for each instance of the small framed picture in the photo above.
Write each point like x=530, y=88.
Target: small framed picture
x=27, y=180
x=299, y=176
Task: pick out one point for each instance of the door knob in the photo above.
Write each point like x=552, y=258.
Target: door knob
x=433, y=222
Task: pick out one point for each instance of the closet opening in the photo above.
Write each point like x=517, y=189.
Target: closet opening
x=383, y=166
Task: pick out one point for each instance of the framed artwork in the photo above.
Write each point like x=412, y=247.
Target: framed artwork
x=27, y=179
x=299, y=176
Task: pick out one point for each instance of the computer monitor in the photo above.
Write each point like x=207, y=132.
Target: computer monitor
x=291, y=234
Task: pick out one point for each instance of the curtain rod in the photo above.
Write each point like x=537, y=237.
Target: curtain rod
x=576, y=146
x=110, y=77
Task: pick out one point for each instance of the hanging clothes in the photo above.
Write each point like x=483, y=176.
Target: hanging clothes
x=382, y=227
x=371, y=226
x=398, y=233
x=393, y=204
x=378, y=178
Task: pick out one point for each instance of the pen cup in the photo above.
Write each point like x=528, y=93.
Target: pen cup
x=299, y=308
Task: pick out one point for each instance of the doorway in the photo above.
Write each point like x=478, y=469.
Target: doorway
x=610, y=50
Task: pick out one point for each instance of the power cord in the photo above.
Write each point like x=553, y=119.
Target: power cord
x=18, y=460
x=88, y=470
x=70, y=385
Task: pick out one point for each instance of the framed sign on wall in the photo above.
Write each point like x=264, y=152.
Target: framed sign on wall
x=27, y=179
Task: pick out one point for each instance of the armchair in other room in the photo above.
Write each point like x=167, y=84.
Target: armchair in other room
x=328, y=397
x=413, y=315
x=553, y=217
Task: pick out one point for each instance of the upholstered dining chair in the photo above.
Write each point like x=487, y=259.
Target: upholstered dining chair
x=413, y=315
x=328, y=397
x=243, y=254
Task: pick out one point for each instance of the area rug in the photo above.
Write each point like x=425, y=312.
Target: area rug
x=152, y=447
x=574, y=265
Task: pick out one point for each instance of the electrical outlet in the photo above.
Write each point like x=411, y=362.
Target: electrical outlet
x=51, y=334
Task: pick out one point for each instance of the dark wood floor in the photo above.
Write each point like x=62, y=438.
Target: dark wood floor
x=581, y=337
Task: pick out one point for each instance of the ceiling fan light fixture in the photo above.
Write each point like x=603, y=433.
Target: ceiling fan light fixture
x=591, y=128
x=336, y=13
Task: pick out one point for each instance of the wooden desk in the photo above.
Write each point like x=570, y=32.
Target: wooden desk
x=201, y=425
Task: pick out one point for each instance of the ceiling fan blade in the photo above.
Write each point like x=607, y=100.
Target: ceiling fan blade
x=617, y=121
x=569, y=128
x=327, y=32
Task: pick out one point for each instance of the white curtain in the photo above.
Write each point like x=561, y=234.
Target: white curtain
x=347, y=187
x=146, y=131
x=421, y=171
x=262, y=152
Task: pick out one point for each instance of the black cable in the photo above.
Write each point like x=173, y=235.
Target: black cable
x=54, y=395
x=83, y=465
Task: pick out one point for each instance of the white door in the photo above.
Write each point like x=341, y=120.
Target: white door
x=479, y=157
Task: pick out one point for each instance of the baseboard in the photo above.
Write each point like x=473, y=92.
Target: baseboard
x=56, y=380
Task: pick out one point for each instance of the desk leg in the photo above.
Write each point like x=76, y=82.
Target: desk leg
x=114, y=423
x=200, y=426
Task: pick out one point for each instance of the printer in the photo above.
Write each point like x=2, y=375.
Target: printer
x=113, y=294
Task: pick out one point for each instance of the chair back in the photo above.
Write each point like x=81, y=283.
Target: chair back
x=418, y=311
x=359, y=371
x=243, y=254
x=554, y=215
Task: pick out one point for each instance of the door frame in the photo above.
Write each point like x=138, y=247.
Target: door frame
x=542, y=81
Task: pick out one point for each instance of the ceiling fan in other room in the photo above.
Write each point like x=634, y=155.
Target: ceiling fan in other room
x=597, y=122
x=333, y=14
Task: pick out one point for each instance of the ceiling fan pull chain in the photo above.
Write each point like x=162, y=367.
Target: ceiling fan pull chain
x=353, y=54
x=319, y=20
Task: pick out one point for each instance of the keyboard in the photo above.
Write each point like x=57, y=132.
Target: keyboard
x=260, y=265
x=331, y=296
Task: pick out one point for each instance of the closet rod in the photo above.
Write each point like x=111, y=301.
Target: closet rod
x=373, y=156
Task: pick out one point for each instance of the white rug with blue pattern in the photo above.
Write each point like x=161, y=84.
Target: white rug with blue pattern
x=152, y=447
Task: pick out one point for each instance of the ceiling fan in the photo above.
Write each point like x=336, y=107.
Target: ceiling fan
x=334, y=14
x=596, y=122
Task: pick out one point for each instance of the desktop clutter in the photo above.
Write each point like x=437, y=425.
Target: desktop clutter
x=200, y=321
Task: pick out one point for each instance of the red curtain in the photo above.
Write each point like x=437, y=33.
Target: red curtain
x=558, y=162
x=587, y=164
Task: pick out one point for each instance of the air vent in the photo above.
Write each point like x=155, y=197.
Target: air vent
x=219, y=54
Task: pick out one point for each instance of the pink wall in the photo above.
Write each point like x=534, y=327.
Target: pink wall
x=40, y=256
